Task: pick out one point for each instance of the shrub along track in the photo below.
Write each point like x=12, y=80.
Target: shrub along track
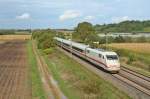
x=14, y=78
x=50, y=85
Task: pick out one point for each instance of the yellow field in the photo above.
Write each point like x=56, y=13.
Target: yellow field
x=137, y=47
x=15, y=37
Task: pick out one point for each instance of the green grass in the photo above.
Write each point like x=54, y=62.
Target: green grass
x=77, y=82
x=147, y=29
x=37, y=89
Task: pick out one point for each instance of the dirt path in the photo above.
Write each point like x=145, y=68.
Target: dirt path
x=14, y=71
x=50, y=85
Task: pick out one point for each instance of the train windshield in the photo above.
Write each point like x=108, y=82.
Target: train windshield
x=112, y=57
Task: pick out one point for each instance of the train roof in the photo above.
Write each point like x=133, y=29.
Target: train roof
x=102, y=51
x=63, y=40
x=78, y=45
x=83, y=47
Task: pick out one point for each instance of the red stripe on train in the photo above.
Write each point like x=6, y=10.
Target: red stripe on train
x=87, y=56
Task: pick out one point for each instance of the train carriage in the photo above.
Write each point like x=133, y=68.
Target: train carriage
x=106, y=59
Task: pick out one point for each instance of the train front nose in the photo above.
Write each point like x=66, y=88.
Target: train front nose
x=113, y=65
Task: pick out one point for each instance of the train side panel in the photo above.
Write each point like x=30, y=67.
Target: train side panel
x=92, y=55
x=94, y=58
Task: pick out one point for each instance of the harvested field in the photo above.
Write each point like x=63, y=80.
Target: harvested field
x=14, y=78
x=137, y=47
x=15, y=37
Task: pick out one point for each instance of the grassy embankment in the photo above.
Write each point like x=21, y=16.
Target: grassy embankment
x=77, y=82
x=146, y=29
x=37, y=89
x=135, y=56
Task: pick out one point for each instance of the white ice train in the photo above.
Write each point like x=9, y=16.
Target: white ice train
x=106, y=59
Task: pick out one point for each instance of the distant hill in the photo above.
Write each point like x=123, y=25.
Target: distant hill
x=5, y=32
x=125, y=26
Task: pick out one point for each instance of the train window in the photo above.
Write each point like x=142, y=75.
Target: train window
x=103, y=57
x=66, y=44
x=112, y=57
x=77, y=49
x=100, y=55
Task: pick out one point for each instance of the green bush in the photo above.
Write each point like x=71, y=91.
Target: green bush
x=48, y=51
x=44, y=38
x=47, y=43
x=131, y=58
x=121, y=52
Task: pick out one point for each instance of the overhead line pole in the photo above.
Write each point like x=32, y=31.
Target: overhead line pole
x=71, y=44
x=106, y=40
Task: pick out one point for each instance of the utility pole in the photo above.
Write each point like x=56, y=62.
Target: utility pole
x=71, y=44
x=106, y=40
x=30, y=31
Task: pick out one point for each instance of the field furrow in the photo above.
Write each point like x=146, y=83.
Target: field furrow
x=14, y=71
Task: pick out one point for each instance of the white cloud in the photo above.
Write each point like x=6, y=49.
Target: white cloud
x=69, y=14
x=24, y=16
x=89, y=18
x=120, y=19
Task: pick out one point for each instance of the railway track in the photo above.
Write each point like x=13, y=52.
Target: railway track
x=147, y=78
x=126, y=78
x=134, y=79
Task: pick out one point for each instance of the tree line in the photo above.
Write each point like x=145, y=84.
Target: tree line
x=125, y=26
x=14, y=31
x=85, y=33
x=5, y=32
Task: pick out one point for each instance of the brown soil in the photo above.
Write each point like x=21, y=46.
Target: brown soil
x=14, y=78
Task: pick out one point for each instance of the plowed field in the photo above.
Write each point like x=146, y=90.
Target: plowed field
x=14, y=78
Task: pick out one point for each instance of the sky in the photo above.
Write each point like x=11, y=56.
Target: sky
x=22, y=14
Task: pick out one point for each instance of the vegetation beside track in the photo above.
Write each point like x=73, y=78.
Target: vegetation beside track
x=44, y=38
x=77, y=82
x=37, y=89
